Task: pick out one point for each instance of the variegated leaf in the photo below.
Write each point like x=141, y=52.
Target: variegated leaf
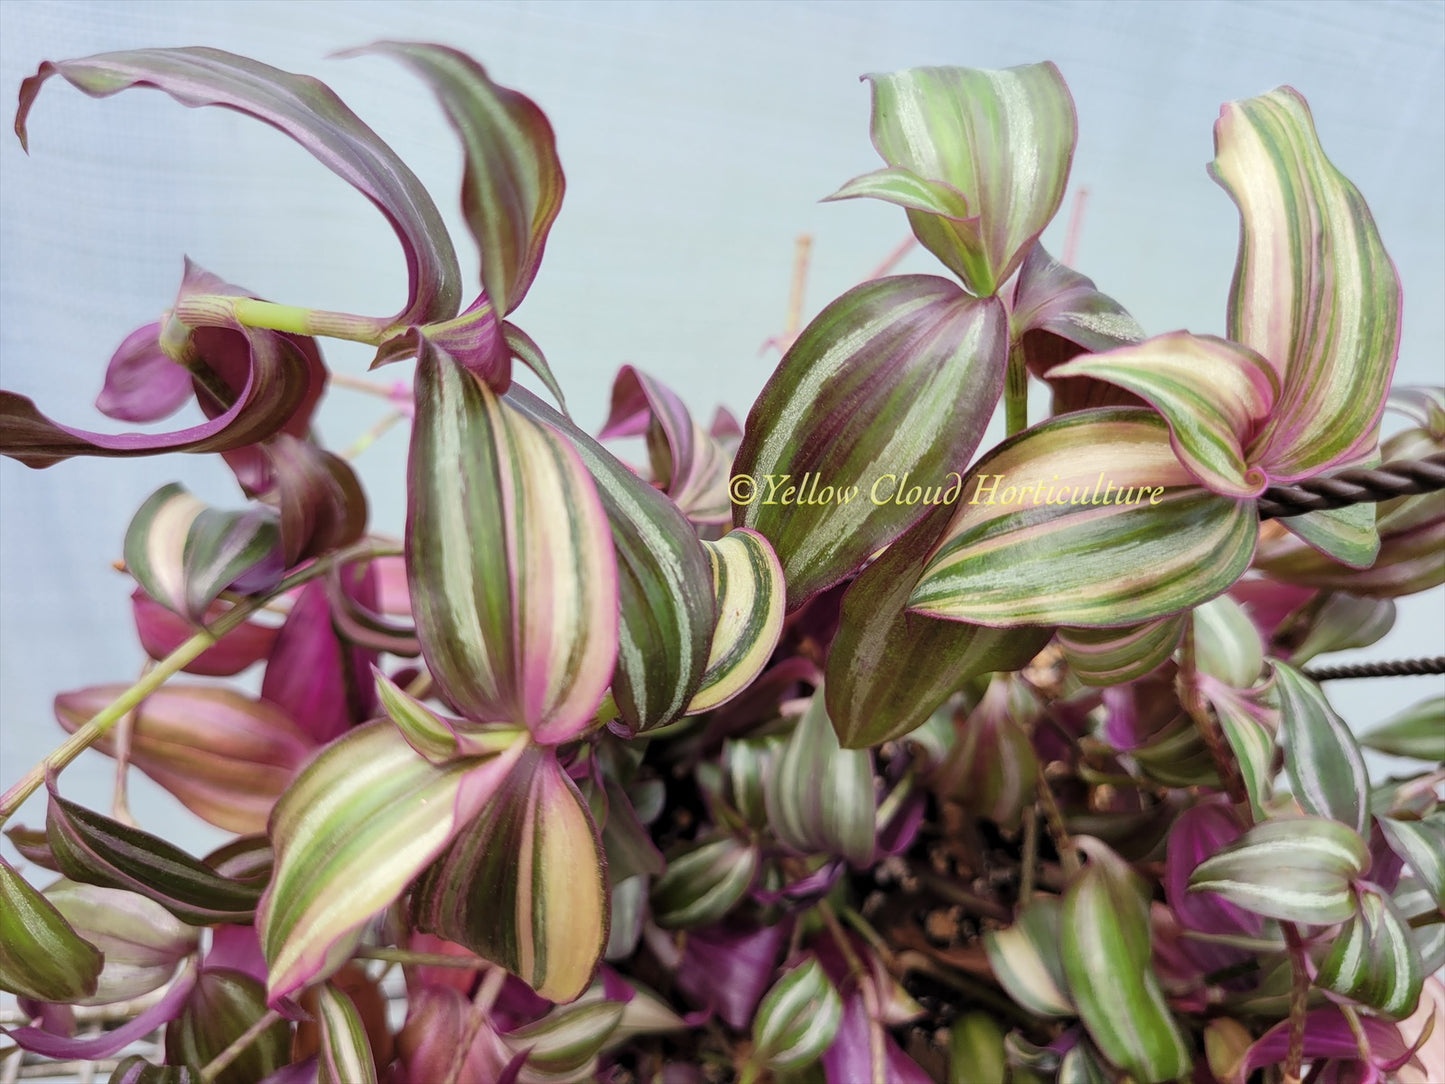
x=304, y=109
x=1337, y=621
x=976, y=1052
x=663, y=582
x=1087, y=519
x=1026, y=960
x=1114, y=656
x=1243, y=719
x=512, y=188
x=820, y=796
x=1373, y=959
x=184, y=554
x=1296, y=869
x=222, y=1006
x=889, y=669
x=866, y=424
x=1105, y=944
x=1227, y=645
x=797, y=1019
x=512, y=581
x=345, y=1053
x=1313, y=292
x=136, y=1070
x=436, y=737
x=703, y=882
x=748, y=584
x=688, y=463
x=41, y=955
x=355, y=827
x=1421, y=843
x=991, y=769
x=979, y=159
x=563, y=1045
x=1213, y=393
x=1418, y=731
x=525, y=883
x=225, y=756
x=1325, y=767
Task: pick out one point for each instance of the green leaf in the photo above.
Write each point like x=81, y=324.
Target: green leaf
x=1213, y=393
x=1338, y=621
x=564, y=1043
x=41, y=955
x=136, y=1070
x=797, y=1019
x=1296, y=869
x=888, y=669
x=993, y=145
x=1421, y=843
x=184, y=554
x=703, y=882
x=1373, y=959
x=820, y=796
x=1348, y=536
x=1105, y=943
x=976, y=1052
x=866, y=424
x=1242, y=718
x=1325, y=767
x=1314, y=291
x=512, y=581
x=512, y=186
x=1107, y=657
x=222, y=1006
x=1418, y=731
x=663, y=583
x=748, y=584
x=1026, y=961
x=991, y=769
x=1051, y=530
x=1226, y=643
x=525, y=883
x=345, y=1051
x=363, y=819
x=94, y=849
x=307, y=111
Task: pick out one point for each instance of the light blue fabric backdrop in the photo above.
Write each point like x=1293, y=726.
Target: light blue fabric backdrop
x=697, y=140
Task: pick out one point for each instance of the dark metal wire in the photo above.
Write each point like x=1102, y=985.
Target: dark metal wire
x=1397, y=479
x=1398, y=668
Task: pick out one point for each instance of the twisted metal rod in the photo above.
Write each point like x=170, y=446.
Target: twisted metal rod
x=1397, y=668
x=1398, y=479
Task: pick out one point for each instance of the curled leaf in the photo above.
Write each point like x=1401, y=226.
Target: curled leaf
x=748, y=585
x=41, y=955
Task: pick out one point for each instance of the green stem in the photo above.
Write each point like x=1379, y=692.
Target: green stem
x=219, y=1063
x=1016, y=391
x=203, y=310
x=421, y=959
x=172, y=664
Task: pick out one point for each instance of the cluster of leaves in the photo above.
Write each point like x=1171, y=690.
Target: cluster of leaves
x=642, y=775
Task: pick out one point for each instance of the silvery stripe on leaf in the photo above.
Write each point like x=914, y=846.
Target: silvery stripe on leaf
x=1013, y=559
x=1373, y=959
x=1248, y=726
x=566, y=1041
x=888, y=669
x=512, y=185
x=1314, y=292
x=512, y=582
x=897, y=377
x=1227, y=646
x=1321, y=757
x=1421, y=843
x=703, y=882
x=664, y=583
x=797, y=1019
x=979, y=158
x=310, y=113
x=1026, y=960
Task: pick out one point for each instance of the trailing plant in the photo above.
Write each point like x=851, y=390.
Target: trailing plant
x=829, y=746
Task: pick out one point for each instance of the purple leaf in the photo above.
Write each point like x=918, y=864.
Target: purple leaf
x=726, y=969
x=321, y=502
x=473, y=339
x=162, y=631
x=862, y=1050
x=1199, y=833
x=1327, y=1035
x=142, y=384
x=49, y=1045
x=307, y=111
x=236, y=948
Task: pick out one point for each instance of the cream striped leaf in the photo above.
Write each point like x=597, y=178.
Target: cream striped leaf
x=1314, y=291
x=363, y=819
x=525, y=883
x=345, y=1052
x=512, y=188
x=797, y=1019
x=563, y=1045
x=664, y=586
x=1115, y=656
x=1213, y=393
x=748, y=585
x=1105, y=943
x=1373, y=959
x=512, y=581
x=1025, y=959
x=979, y=158
x=1243, y=720
x=1295, y=869
x=1040, y=536
x=866, y=424
x=1325, y=767
x=888, y=669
